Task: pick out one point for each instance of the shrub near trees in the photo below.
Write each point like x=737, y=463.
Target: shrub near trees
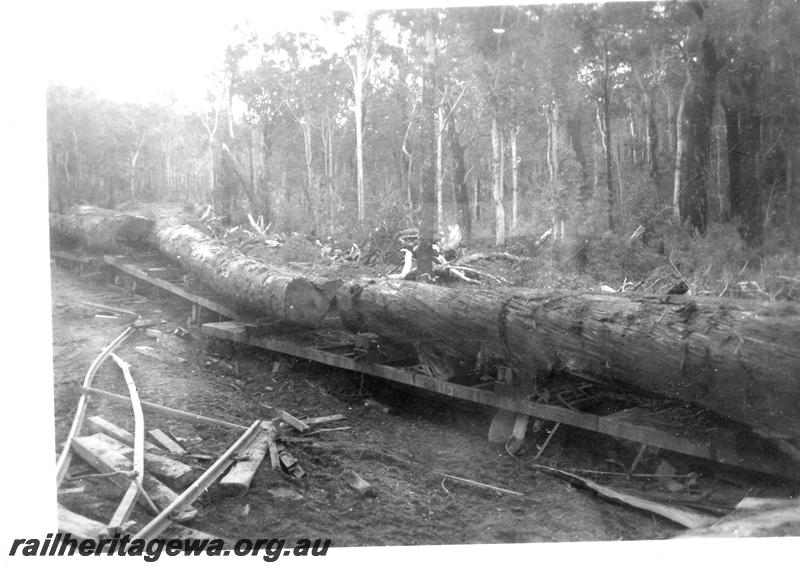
x=582, y=119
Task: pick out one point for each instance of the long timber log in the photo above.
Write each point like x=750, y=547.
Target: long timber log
x=265, y=290
x=254, y=286
x=101, y=229
x=738, y=358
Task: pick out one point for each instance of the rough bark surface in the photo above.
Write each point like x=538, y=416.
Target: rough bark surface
x=278, y=293
x=263, y=289
x=737, y=358
x=101, y=229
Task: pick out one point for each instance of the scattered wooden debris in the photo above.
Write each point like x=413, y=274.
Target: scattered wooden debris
x=754, y=517
x=167, y=411
x=156, y=526
x=111, y=309
x=689, y=476
x=311, y=421
x=66, y=453
x=171, y=471
x=477, y=484
x=358, y=483
x=755, y=503
x=94, y=450
x=289, y=463
x=293, y=421
x=72, y=491
x=285, y=493
x=238, y=479
x=98, y=424
x=327, y=430
x=165, y=441
x=274, y=456
x=684, y=517
x=221, y=363
x=79, y=526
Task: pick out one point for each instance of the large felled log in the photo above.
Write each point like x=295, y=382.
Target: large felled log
x=738, y=358
x=266, y=290
x=101, y=229
x=271, y=291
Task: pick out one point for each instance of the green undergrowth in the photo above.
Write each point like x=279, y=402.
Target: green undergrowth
x=717, y=264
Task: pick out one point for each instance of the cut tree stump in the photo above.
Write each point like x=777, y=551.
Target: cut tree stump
x=738, y=358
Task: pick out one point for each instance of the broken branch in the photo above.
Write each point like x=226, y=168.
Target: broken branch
x=477, y=484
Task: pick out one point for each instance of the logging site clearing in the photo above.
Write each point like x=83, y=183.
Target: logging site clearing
x=465, y=275
x=297, y=387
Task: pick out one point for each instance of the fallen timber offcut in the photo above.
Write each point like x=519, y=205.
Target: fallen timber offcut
x=734, y=357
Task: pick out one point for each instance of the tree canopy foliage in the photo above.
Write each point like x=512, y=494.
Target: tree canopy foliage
x=577, y=119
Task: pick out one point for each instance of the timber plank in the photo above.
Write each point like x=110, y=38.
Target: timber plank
x=171, y=471
x=238, y=479
x=290, y=419
x=79, y=526
x=94, y=450
x=165, y=441
x=101, y=425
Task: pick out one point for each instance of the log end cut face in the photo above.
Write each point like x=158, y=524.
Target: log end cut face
x=304, y=303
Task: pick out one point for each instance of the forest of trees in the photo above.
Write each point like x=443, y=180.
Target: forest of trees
x=510, y=121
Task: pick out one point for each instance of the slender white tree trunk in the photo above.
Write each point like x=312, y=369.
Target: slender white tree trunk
x=680, y=142
x=514, y=183
x=497, y=184
x=439, y=169
x=359, y=110
x=211, y=130
x=134, y=158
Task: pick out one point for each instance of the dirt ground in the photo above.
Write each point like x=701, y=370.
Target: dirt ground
x=399, y=440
